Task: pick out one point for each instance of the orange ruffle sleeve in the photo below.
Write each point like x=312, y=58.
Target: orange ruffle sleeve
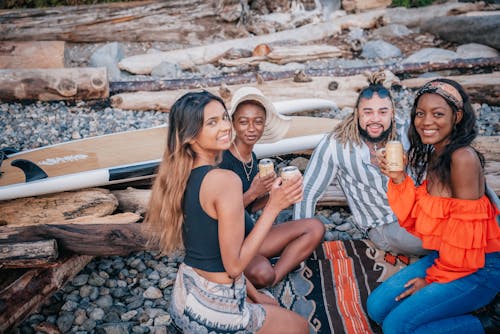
x=461, y=230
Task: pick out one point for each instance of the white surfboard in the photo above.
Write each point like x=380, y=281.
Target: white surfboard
x=127, y=156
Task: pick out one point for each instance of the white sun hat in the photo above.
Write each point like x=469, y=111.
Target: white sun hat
x=276, y=125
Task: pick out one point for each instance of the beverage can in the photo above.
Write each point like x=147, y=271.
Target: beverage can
x=394, y=156
x=266, y=167
x=289, y=172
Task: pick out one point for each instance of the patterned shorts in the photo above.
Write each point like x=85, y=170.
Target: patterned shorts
x=201, y=306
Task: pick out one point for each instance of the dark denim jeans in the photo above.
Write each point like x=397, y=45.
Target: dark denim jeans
x=438, y=307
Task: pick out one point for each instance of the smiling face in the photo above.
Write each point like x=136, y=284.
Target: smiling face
x=249, y=122
x=375, y=117
x=434, y=120
x=215, y=134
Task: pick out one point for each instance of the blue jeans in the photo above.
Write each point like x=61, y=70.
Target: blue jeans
x=438, y=307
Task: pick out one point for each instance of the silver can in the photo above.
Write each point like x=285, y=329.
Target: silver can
x=266, y=167
x=289, y=172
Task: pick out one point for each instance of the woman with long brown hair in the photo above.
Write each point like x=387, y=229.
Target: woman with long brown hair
x=190, y=210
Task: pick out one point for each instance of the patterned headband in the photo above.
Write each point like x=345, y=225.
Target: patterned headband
x=445, y=90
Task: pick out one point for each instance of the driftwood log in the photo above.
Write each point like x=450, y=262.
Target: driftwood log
x=26, y=293
x=128, y=21
x=94, y=202
x=36, y=54
x=111, y=235
x=54, y=84
x=187, y=21
x=99, y=239
x=28, y=254
x=481, y=28
x=286, y=54
x=483, y=88
x=249, y=77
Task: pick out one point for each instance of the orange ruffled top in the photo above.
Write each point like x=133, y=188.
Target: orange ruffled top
x=463, y=231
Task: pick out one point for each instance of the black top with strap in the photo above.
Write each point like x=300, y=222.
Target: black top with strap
x=230, y=162
x=200, y=231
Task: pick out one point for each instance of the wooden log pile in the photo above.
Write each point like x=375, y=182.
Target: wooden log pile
x=51, y=238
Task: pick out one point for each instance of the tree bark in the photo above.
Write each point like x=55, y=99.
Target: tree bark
x=28, y=293
x=111, y=235
x=49, y=54
x=54, y=84
x=28, y=254
x=94, y=202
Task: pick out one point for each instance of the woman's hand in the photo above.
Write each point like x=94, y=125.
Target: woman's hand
x=414, y=285
x=284, y=194
x=261, y=185
x=396, y=177
x=262, y=298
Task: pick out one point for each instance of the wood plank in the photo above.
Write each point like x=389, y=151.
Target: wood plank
x=35, y=54
x=54, y=84
x=28, y=254
x=57, y=207
x=34, y=287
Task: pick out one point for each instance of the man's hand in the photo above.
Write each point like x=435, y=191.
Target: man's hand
x=414, y=285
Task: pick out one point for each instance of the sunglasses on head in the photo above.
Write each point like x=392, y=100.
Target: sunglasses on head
x=367, y=93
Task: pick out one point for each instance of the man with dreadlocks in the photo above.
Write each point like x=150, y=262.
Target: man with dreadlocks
x=349, y=154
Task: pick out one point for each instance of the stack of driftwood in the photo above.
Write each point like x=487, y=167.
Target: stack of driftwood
x=44, y=241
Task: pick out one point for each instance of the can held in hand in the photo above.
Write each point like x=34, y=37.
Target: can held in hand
x=394, y=156
x=266, y=167
x=289, y=172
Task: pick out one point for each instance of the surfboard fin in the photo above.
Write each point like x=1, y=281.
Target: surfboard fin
x=31, y=170
x=8, y=151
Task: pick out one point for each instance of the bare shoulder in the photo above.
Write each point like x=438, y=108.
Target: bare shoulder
x=465, y=159
x=223, y=179
x=467, y=179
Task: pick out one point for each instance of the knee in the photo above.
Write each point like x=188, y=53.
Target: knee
x=261, y=275
x=373, y=308
x=316, y=229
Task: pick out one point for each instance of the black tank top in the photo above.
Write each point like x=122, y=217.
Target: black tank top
x=200, y=231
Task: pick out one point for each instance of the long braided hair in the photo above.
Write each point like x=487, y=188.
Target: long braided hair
x=347, y=130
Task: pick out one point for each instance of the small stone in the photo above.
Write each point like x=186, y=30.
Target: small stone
x=80, y=317
x=128, y=315
x=80, y=280
x=69, y=306
x=96, y=280
x=163, y=320
x=96, y=314
x=152, y=293
x=65, y=321
x=104, y=301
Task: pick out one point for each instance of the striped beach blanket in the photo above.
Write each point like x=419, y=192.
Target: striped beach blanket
x=332, y=289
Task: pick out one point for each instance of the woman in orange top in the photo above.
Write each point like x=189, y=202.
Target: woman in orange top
x=449, y=211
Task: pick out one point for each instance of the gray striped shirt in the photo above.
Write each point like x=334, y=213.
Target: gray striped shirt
x=363, y=185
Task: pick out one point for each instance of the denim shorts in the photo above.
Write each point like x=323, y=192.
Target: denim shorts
x=201, y=306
